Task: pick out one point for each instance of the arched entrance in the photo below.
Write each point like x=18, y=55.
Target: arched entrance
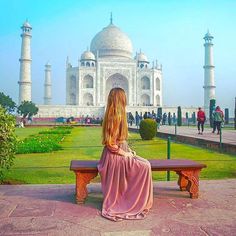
x=117, y=81
x=145, y=100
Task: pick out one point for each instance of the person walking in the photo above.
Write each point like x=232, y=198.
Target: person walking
x=201, y=118
x=125, y=177
x=218, y=118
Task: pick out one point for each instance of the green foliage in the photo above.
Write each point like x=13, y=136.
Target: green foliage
x=57, y=130
x=84, y=143
x=40, y=144
x=8, y=141
x=44, y=141
x=212, y=106
x=226, y=116
x=179, y=116
x=169, y=118
x=148, y=129
x=194, y=117
x=27, y=109
x=7, y=103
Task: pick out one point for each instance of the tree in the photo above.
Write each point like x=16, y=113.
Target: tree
x=235, y=113
x=169, y=118
x=8, y=141
x=7, y=103
x=212, y=109
x=226, y=116
x=194, y=117
x=179, y=116
x=27, y=109
x=186, y=114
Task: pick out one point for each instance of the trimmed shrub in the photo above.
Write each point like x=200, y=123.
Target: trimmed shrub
x=8, y=141
x=212, y=107
x=179, y=117
x=148, y=129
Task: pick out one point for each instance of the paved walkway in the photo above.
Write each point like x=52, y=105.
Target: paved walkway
x=50, y=210
x=228, y=136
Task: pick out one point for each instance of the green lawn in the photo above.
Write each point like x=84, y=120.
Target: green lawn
x=85, y=143
x=25, y=132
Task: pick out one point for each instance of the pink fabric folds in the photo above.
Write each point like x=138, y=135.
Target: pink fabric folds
x=126, y=185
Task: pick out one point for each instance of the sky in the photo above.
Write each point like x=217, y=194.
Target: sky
x=170, y=31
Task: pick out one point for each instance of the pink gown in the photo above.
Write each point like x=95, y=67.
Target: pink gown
x=126, y=185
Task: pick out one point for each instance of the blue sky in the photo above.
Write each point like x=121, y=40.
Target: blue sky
x=170, y=31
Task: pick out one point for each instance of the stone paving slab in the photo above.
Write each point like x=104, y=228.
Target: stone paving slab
x=228, y=136
x=51, y=210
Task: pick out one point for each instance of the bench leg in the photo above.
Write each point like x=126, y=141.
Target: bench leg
x=182, y=182
x=190, y=181
x=82, y=179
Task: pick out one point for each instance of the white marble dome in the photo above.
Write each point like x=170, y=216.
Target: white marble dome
x=112, y=42
x=26, y=24
x=87, y=55
x=141, y=57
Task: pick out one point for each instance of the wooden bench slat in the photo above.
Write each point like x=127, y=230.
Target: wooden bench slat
x=157, y=165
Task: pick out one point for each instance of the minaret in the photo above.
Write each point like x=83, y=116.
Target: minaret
x=209, y=78
x=25, y=64
x=47, y=85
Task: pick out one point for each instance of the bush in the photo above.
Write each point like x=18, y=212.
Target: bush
x=179, y=117
x=40, y=144
x=8, y=141
x=148, y=129
x=45, y=141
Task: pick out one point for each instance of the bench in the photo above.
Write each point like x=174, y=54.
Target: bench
x=187, y=170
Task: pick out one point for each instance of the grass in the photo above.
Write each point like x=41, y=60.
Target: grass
x=85, y=143
x=26, y=132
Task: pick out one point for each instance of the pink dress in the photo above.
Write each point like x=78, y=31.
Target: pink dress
x=126, y=185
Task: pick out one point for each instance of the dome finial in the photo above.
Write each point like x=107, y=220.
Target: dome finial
x=111, y=19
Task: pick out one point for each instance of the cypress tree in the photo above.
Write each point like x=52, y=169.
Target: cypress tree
x=226, y=116
x=212, y=108
x=179, y=116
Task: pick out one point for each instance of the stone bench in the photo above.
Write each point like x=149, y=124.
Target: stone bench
x=187, y=170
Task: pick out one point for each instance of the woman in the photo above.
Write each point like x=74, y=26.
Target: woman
x=126, y=178
x=218, y=118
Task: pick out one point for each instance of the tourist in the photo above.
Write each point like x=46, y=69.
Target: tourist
x=126, y=178
x=218, y=118
x=201, y=118
x=164, y=117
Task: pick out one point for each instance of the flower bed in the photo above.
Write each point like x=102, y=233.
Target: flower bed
x=45, y=141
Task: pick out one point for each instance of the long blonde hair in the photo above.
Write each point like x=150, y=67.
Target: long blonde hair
x=115, y=128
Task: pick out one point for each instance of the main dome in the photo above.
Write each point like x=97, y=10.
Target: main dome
x=111, y=42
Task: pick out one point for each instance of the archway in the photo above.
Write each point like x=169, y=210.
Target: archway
x=145, y=83
x=88, y=99
x=72, y=82
x=88, y=81
x=117, y=81
x=158, y=87
x=72, y=99
x=145, y=100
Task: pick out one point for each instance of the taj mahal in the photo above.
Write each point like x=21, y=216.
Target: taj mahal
x=110, y=62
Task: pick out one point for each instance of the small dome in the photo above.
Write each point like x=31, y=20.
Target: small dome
x=208, y=35
x=48, y=64
x=27, y=25
x=112, y=42
x=87, y=55
x=141, y=57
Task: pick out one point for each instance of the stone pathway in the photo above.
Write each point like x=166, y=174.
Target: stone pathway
x=228, y=136
x=50, y=210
